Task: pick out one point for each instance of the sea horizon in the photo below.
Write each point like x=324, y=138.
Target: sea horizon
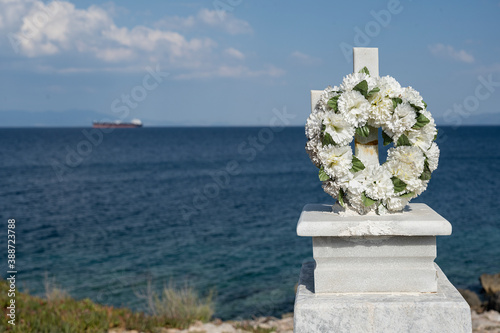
x=210, y=126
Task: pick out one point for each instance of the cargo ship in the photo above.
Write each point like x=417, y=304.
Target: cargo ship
x=135, y=123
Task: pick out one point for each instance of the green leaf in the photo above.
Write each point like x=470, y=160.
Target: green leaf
x=366, y=200
x=387, y=138
x=399, y=185
x=373, y=91
x=327, y=139
x=426, y=174
x=363, y=131
x=341, y=197
x=425, y=104
x=421, y=121
x=362, y=87
x=407, y=195
x=357, y=165
x=332, y=102
x=396, y=101
x=436, y=135
x=322, y=175
x=365, y=70
x=323, y=128
x=403, y=141
x=418, y=108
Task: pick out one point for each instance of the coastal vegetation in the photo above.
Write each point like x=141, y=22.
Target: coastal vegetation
x=59, y=312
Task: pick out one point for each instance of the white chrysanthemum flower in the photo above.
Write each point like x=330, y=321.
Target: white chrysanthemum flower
x=433, y=156
x=421, y=137
x=321, y=106
x=326, y=95
x=380, y=110
x=408, y=155
x=330, y=91
x=406, y=173
x=405, y=162
x=389, y=87
x=355, y=202
x=378, y=182
x=337, y=161
x=412, y=96
x=312, y=150
x=381, y=210
x=375, y=180
x=339, y=129
x=313, y=124
x=417, y=186
x=351, y=80
x=403, y=118
x=382, y=106
x=396, y=203
x=353, y=181
x=354, y=107
x=331, y=187
x=430, y=130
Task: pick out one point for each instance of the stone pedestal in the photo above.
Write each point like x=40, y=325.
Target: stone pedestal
x=444, y=311
x=376, y=273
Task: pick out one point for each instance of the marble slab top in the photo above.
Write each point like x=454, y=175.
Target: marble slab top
x=418, y=219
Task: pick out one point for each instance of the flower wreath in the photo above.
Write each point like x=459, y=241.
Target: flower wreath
x=362, y=104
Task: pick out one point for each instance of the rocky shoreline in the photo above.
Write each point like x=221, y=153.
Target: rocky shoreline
x=485, y=322
x=257, y=325
x=485, y=314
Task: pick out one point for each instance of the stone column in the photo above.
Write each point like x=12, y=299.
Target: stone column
x=366, y=148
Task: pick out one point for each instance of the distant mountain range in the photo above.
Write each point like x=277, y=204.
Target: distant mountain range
x=84, y=118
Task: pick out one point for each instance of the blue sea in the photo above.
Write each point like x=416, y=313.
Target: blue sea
x=211, y=207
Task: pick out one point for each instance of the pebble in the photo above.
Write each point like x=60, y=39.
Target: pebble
x=486, y=322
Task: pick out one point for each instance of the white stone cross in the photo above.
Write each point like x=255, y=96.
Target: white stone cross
x=365, y=148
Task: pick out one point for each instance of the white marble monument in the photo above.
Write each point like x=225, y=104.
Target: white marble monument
x=375, y=273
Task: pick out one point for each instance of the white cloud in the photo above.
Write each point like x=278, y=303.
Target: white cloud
x=304, y=59
x=448, y=52
x=81, y=69
x=234, y=53
x=233, y=72
x=173, y=46
x=58, y=27
x=488, y=69
x=12, y=12
x=66, y=39
x=221, y=20
x=225, y=21
x=49, y=29
x=473, y=41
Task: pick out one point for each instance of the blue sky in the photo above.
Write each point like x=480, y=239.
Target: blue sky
x=231, y=62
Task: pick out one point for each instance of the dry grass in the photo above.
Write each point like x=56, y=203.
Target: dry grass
x=180, y=307
x=53, y=292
